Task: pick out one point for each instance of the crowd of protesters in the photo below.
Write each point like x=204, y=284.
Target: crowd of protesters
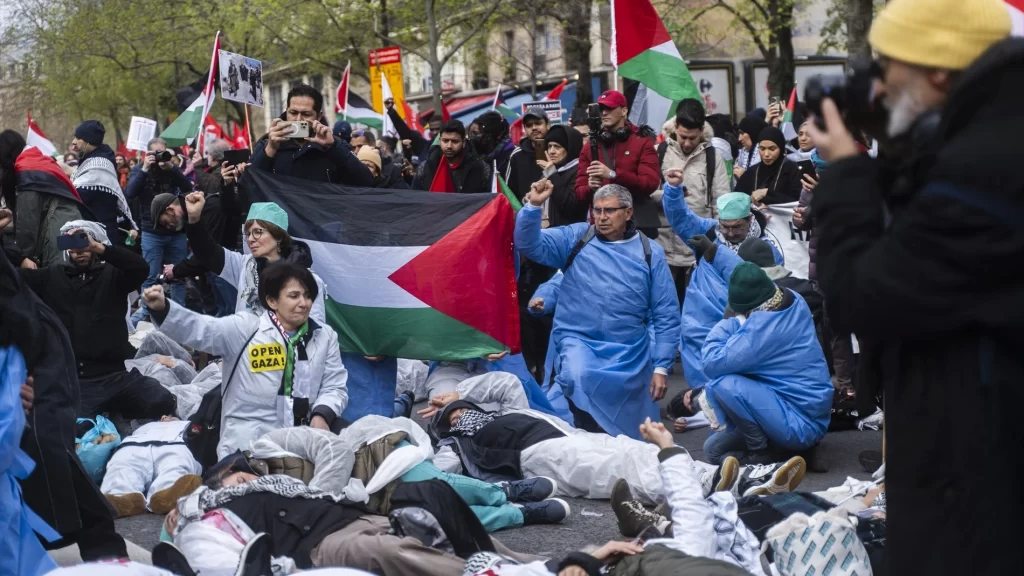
x=165, y=345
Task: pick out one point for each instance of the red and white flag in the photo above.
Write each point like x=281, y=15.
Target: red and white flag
x=341, y=101
x=1016, y=8
x=36, y=138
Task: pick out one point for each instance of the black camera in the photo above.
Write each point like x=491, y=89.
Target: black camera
x=853, y=94
x=594, y=118
x=162, y=155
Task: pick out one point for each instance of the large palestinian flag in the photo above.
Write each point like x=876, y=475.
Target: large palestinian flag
x=408, y=274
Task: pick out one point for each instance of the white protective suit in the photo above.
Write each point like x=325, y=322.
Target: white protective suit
x=235, y=272
x=332, y=456
x=252, y=406
x=583, y=464
x=150, y=460
x=369, y=429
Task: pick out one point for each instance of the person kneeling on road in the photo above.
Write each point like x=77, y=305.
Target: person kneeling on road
x=769, y=383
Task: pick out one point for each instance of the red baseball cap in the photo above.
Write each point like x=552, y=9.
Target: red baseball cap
x=612, y=99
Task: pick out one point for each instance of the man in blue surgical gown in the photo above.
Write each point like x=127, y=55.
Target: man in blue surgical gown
x=616, y=290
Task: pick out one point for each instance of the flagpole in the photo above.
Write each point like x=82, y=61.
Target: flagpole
x=248, y=136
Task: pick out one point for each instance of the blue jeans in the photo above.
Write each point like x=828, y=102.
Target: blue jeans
x=157, y=251
x=740, y=435
x=487, y=501
x=225, y=295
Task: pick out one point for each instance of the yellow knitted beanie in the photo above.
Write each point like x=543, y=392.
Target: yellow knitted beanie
x=947, y=34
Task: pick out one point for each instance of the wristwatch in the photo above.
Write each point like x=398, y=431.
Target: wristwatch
x=611, y=175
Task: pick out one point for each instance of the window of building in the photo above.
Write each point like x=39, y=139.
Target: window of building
x=510, y=43
x=541, y=43
x=276, y=103
x=606, y=32
x=317, y=80
x=294, y=84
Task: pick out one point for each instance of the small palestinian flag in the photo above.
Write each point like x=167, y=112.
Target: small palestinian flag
x=789, y=129
x=410, y=275
x=360, y=111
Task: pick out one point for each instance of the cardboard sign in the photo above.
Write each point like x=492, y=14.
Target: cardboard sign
x=241, y=78
x=266, y=358
x=141, y=131
x=553, y=108
x=387, y=61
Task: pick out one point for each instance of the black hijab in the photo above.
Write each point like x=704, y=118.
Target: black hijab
x=781, y=178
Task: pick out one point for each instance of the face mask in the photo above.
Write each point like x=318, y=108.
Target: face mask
x=164, y=536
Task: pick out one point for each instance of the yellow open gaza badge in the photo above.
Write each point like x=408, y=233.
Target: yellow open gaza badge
x=266, y=357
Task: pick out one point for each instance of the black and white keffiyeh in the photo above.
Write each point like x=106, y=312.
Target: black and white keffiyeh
x=98, y=173
x=194, y=506
x=471, y=422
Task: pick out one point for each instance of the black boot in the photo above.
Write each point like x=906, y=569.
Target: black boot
x=167, y=556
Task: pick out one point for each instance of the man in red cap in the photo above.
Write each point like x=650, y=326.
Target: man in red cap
x=625, y=156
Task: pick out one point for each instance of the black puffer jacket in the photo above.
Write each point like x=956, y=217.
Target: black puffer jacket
x=921, y=261
x=335, y=163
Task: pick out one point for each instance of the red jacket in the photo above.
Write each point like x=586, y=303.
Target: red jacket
x=635, y=162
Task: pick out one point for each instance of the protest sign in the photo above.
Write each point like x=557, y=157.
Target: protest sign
x=794, y=244
x=553, y=108
x=141, y=131
x=241, y=78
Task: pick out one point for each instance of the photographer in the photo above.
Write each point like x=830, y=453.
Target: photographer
x=88, y=294
x=918, y=255
x=320, y=156
x=157, y=175
x=626, y=156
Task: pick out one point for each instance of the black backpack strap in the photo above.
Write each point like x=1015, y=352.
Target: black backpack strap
x=662, y=148
x=587, y=237
x=709, y=155
x=647, y=249
x=224, y=383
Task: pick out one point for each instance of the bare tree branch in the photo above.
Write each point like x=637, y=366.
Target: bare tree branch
x=754, y=34
x=473, y=32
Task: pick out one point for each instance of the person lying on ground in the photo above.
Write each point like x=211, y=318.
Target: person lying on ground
x=291, y=373
x=704, y=531
x=151, y=469
x=770, y=386
x=514, y=442
x=310, y=527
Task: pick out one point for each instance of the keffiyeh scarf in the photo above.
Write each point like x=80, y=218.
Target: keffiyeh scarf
x=98, y=173
x=471, y=422
x=194, y=506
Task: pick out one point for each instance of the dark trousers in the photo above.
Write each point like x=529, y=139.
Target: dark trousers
x=127, y=393
x=583, y=420
x=97, y=539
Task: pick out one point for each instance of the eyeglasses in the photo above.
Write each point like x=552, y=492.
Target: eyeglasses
x=609, y=211
x=254, y=233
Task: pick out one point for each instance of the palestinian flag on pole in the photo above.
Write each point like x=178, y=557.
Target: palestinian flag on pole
x=789, y=129
x=500, y=187
x=35, y=137
x=341, y=97
x=411, y=275
x=360, y=111
x=187, y=125
x=642, y=50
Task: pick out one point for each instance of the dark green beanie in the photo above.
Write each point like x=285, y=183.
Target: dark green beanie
x=749, y=287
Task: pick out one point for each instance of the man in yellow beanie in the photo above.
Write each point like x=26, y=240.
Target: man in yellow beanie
x=917, y=256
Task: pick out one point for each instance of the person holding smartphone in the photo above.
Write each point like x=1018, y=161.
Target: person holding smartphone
x=301, y=144
x=160, y=245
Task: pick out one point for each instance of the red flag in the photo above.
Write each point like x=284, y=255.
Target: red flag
x=239, y=141
x=410, y=117
x=122, y=149
x=40, y=173
x=445, y=115
x=443, y=178
x=212, y=128
x=556, y=92
x=341, y=96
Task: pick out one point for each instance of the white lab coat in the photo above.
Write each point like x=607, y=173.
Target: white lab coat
x=234, y=273
x=150, y=460
x=583, y=464
x=251, y=405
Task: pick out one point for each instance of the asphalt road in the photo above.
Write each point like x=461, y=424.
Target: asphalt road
x=592, y=521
